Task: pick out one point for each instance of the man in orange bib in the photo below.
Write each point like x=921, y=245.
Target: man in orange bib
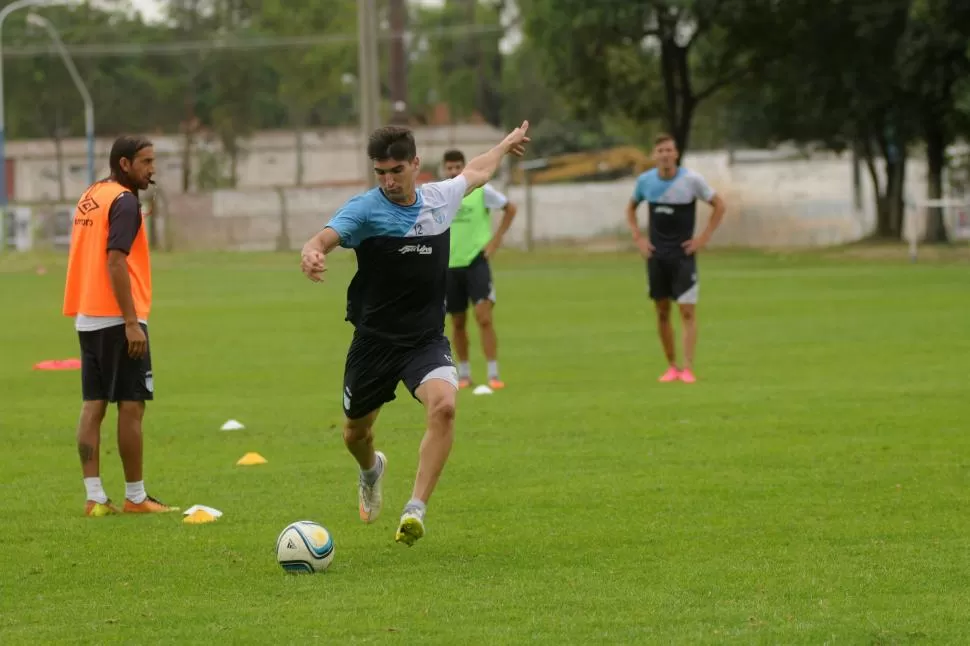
x=109, y=294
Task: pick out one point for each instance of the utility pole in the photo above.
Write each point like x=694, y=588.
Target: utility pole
x=399, y=66
x=368, y=79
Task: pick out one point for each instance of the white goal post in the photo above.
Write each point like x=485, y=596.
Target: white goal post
x=956, y=219
x=955, y=204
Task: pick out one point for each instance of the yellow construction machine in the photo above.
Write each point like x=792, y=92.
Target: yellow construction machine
x=599, y=165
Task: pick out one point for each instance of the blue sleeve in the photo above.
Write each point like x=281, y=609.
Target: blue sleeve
x=350, y=222
x=638, y=195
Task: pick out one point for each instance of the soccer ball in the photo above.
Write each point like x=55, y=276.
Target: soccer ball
x=304, y=547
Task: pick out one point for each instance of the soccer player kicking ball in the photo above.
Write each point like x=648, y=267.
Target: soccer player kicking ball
x=395, y=301
x=670, y=247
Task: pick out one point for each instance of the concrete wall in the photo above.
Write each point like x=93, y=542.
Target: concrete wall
x=773, y=201
x=268, y=159
x=780, y=203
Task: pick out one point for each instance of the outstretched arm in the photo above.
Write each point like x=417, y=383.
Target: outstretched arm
x=481, y=169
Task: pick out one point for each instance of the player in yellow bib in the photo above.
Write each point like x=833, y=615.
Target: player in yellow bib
x=469, y=276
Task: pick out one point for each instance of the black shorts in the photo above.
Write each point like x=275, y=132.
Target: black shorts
x=469, y=284
x=374, y=368
x=108, y=373
x=673, y=278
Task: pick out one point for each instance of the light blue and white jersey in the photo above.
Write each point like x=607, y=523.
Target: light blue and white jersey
x=399, y=290
x=673, y=207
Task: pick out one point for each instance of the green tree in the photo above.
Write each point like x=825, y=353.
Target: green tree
x=227, y=86
x=932, y=62
x=42, y=100
x=463, y=70
x=642, y=58
x=890, y=85
x=311, y=79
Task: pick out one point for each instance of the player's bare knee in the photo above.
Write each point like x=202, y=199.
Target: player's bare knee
x=132, y=411
x=687, y=313
x=356, y=430
x=458, y=322
x=663, y=311
x=483, y=315
x=94, y=411
x=441, y=411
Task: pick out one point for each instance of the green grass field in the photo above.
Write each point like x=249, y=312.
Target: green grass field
x=810, y=489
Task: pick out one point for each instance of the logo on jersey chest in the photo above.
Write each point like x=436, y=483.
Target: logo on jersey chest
x=420, y=249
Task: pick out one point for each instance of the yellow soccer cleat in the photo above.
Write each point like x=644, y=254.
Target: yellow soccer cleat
x=410, y=529
x=99, y=509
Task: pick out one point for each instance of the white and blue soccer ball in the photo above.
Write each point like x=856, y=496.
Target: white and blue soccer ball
x=304, y=547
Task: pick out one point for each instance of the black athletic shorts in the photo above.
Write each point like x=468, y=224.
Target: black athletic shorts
x=374, y=368
x=108, y=373
x=469, y=284
x=673, y=278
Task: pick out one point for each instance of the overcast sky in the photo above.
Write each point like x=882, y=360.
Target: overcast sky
x=152, y=9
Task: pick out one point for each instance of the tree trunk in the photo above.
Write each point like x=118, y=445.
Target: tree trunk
x=888, y=192
x=682, y=129
x=882, y=213
x=191, y=8
x=935, y=161
x=856, y=176
x=895, y=189
x=681, y=102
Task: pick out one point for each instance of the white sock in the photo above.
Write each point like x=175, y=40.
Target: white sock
x=493, y=369
x=464, y=370
x=95, y=490
x=135, y=491
x=416, y=505
x=371, y=475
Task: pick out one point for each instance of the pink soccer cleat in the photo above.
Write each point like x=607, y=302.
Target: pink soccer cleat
x=672, y=374
x=687, y=376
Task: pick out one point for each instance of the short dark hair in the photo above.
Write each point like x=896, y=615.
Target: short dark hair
x=392, y=142
x=664, y=137
x=126, y=147
x=453, y=156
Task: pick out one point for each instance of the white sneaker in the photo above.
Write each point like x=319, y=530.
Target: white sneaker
x=411, y=527
x=369, y=496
